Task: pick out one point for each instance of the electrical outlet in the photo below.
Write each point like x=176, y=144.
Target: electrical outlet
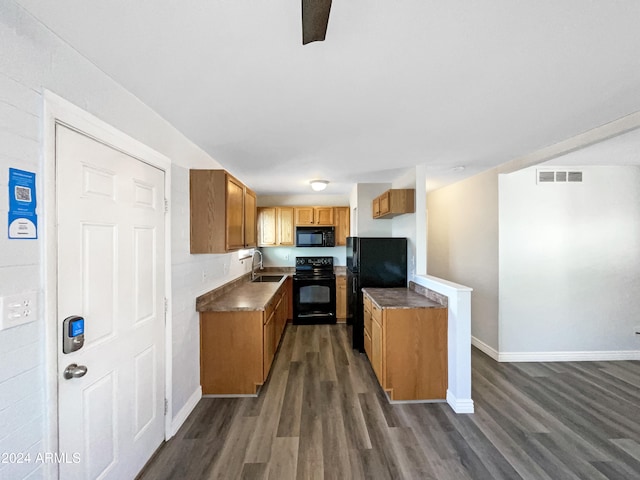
x=18, y=309
x=204, y=276
x=286, y=256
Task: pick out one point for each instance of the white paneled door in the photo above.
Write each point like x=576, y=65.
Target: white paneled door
x=111, y=220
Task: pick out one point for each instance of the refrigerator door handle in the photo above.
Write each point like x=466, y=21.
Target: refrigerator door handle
x=353, y=288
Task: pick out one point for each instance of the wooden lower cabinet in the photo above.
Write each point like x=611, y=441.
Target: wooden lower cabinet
x=407, y=348
x=237, y=348
x=341, y=298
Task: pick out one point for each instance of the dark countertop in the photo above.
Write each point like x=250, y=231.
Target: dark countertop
x=399, y=298
x=243, y=296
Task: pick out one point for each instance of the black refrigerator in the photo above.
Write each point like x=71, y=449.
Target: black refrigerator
x=372, y=262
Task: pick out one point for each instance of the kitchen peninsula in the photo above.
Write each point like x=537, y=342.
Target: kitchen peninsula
x=405, y=338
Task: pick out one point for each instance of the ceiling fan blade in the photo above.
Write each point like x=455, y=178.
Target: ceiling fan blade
x=315, y=18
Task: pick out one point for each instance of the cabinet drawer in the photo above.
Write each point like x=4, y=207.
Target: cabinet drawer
x=367, y=344
x=367, y=321
x=367, y=303
x=376, y=313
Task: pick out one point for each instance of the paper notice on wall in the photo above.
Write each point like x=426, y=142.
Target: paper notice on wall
x=23, y=222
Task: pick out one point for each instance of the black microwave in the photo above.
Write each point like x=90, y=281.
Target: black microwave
x=315, y=237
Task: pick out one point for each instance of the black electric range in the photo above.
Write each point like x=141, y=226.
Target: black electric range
x=314, y=291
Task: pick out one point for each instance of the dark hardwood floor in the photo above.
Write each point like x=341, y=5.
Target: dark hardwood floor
x=322, y=415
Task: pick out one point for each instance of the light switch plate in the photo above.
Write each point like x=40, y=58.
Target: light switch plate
x=18, y=309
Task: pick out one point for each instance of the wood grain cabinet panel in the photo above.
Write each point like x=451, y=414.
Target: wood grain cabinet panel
x=314, y=216
x=304, y=216
x=250, y=218
x=286, y=227
x=275, y=226
x=323, y=215
x=341, y=298
x=343, y=225
x=235, y=214
x=231, y=352
x=267, y=227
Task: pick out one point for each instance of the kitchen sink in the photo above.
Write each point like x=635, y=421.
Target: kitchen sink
x=268, y=278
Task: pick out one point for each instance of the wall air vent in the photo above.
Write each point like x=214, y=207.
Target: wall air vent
x=546, y=177
x=575, y=176
x=558, y=176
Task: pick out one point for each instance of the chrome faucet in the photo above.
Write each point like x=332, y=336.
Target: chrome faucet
x=253, y=271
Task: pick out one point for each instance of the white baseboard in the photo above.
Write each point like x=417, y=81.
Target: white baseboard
x=601, y=356
x=596, y=356
x=459, y=405
x=480, y=345
x=186, y=410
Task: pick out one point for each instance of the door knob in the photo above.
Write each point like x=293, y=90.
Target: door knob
x=74, y=371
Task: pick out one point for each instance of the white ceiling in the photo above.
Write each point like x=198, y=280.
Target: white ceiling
x=397, y=82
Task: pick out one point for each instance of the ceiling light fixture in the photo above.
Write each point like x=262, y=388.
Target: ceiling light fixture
x=319, y=185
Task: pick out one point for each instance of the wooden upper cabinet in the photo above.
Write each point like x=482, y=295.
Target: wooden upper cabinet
x=375, y=210
x=323, y=215
x=286, y=227
x=314, y=216
x=304, y=216
x=267, y=227
x=250, y=218
x=385, y=202
x=275, y=226
x=394, y=202
x=341, y=216
x=221, y=217
x=235, y=214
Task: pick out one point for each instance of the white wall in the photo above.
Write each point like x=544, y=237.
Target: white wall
x=302, y=200
x=569, y=262
x=462, y=246
x=286, y=256
x=33, y=59
x=405, y=225
x=366, y=225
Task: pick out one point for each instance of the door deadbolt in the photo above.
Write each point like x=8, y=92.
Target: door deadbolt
x=72, y=334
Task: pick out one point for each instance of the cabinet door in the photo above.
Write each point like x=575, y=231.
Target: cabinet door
x=235, y=214
x=376, y=350
x=267, y=226
x=376, y=207
x=207, y=200
x=385, y=203
x=341, y=297
x=323, y=215
x=304, y=216
x=367, y=345
x=286, y=229
x=342, y=225
x=268, y=344
x=250, y=213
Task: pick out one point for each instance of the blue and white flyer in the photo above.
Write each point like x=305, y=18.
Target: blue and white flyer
x=23, y=222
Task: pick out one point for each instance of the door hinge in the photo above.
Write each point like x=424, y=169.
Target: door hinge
x=166, y=205
x=166, y=406
x=166, y=309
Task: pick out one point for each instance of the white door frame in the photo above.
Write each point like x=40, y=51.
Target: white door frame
x=60, y=111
